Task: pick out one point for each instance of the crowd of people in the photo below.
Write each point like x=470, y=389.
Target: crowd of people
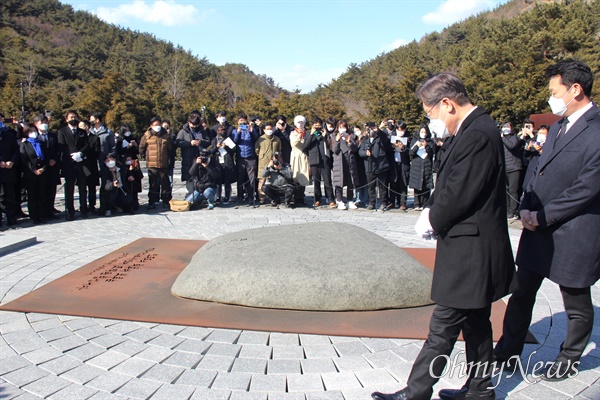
x=271, y=164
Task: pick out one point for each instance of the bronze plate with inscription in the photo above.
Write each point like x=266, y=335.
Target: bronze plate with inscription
x=134, y=284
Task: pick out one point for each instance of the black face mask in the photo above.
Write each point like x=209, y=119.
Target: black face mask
x=73, y=123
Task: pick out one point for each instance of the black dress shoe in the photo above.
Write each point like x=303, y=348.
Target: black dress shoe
x=558, y=371
x=70, y=216
x=400, y=395
x=464, y=394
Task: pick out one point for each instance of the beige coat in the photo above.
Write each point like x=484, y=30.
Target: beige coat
x=299, y=160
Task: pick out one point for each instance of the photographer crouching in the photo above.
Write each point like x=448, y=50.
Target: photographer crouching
x=205, y=177
x=279, y=181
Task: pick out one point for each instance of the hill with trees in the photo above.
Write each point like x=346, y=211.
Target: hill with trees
x=131, y=76
x=500, y=55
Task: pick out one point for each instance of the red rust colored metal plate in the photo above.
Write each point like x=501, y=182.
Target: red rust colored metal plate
x=134, y=283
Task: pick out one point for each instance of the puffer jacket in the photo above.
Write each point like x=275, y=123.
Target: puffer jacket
x=157, y=148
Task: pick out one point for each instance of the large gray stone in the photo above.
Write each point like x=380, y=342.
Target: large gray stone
x=317, y=266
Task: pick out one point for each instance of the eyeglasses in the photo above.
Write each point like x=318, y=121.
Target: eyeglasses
x=427, y=113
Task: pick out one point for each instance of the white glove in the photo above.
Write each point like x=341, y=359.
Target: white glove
x=77, y=157
x=423, y=226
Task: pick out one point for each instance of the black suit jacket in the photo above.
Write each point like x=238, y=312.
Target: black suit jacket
x=9, y=151
x=565, y=190
x=29, y=159
x=474, y=264
x=53, y=153
x=69, y=143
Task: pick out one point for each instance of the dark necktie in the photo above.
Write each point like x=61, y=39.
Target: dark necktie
x=562, y=131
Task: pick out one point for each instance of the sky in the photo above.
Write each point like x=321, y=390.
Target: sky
x=298, y=43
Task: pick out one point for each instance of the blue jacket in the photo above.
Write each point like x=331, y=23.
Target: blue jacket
x=245, y=141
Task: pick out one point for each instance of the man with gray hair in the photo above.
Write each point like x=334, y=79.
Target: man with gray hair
x=474, y=263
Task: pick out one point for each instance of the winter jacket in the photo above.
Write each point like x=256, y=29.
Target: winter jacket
x=204, y=177
x=265, y=147
x=245, y=141
x=421, y=169
x=380, y=148
x=317, y=149
x=157, y=148
x=280, y=178
x=345, y=163
x=189, y=153
x=513, y=152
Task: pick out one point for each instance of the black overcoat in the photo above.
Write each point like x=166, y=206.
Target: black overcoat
x=474, y=263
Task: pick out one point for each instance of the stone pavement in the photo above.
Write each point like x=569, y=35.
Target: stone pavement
x=67, y=357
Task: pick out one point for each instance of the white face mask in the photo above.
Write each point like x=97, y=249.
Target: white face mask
x=33, y=135
x=221, y=120
x=558, y=106
x=43, y=127
x=506, y=131
x=299, y=125
x=269, y=133
x=541, y=138
x=128, y=162
x=423, y=135
x=438, y=127
x=127, y=134
x=342, y=130
x=111, y=164
x=156, y=128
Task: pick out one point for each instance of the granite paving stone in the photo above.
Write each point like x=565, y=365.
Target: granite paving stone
x=232, y=381
x=223, y=336
x=61, y=364
x=108, y=381
x=304, y=383
x=268, y=383
x=225, y=350
x=23, y=376
x=320, y=365
x=320, y=351
x=82, y=374
x=199, y=378
x=248, y=396
x=329, y=395
x=86, y=352
x=139, y=388
x=42, y=355
x=250, y=337
x=286, y=396
x=73, y=392
x=211, y=394
x=340, y=381
x=108, y=359
x=254, y=366
x=291, y=352
x=163, y=373
x=47, y=385
x=182, y=359
x=193, y=346
x=173, y=392
x=353, y=348
x=133, y=367
x=12, y=363
x=283, y=367
x=256, y=351
x=154, y=353
x=166, y=340
x=216, y=363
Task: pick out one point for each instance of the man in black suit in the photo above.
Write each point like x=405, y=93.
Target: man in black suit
x=73, y=146
x=53, y=167
x=9, y=157
x=560, y=212
x=474, y=264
